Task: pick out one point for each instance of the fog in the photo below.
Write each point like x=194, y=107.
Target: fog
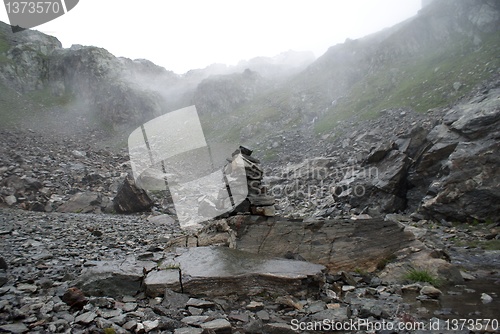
x=182, y=36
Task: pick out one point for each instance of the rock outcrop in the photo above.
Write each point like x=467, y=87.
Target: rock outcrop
x=130, y=198
x=464, y=153
x=337, y=244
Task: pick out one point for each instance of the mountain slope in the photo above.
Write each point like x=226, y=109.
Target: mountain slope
x=426, y=62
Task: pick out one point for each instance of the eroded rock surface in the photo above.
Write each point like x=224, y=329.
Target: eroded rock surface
x=338, y=244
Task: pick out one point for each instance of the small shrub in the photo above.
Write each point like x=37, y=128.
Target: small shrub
x=385, y=261
x=421, y=275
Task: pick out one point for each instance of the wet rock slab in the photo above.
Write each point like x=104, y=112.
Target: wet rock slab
x=113, y=278
x=341, y=244
x=222, y=271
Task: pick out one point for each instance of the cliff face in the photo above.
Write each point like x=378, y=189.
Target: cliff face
x=34, y=62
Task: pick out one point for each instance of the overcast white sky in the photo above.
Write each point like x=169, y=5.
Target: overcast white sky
x=185, y=34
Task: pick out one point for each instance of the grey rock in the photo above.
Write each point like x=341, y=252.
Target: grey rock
x=150, y=325
x=14, y=328
x=316, y=307
x=221, y=271
x=174, y=300
x=10, y=200
x=3, y=264
x=478, y=119
x=201, y=303
x=219, y=326
x=27, y=287
x=129, y=307
x=278, y=328
x=130, y=325
x=263, y=315
x=430, y=291
x=113, y=278
x=157, y=281
x=81, y=203
x=106, y=314
x=378, y=153
x=195, y=320
x=253, y=326
x=130, y=198
x=188, y=330
x=3, y=278
x=86, y=318
x=486, y=299
x=255, y=306
x=333, y=243
x=337, y=315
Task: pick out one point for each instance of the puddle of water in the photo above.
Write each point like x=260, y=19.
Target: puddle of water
x=463, y=302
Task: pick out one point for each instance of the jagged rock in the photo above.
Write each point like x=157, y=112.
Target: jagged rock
x=86, y=318
x=200, y=303
x=131, y=198
x=3, y=279
x=479, y=117
x=268, y=211
x=380, y=186
x=378, y=153
x=337, y=315
x=486, y=299
x=470, y=190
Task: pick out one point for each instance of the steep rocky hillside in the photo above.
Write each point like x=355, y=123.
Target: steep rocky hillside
x=426, y=62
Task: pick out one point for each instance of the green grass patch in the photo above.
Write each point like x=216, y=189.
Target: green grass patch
x=45, y=98
x=4, y=47
x=421, y=82
x=4, y=44
x=16, y=107
x=422, y=276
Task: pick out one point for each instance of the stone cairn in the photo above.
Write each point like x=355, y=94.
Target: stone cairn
x=257, y=202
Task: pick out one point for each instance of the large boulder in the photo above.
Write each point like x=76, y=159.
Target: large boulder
x=459, y=170
x=222, y=271
x=113, y=278
x=378, y=186
x=130, y=198
x=338, y=244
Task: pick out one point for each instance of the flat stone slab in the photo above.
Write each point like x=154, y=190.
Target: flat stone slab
x=157, y=280
x=113, y=278
x=220, y=271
